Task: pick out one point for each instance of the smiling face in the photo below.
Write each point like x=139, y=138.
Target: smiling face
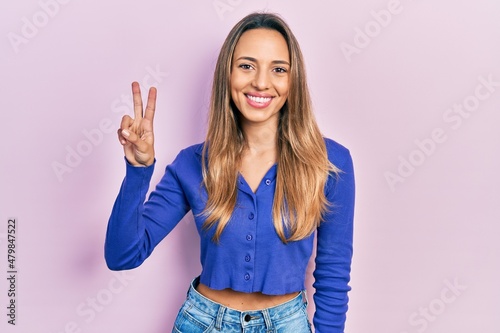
x=260, y=76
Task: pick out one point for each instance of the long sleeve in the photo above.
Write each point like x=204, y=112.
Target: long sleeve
x=135, y=227
x=334, y=248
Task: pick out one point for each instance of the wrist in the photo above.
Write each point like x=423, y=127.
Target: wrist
x=137, y=164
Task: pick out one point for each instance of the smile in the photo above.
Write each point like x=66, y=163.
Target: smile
x=258, y=101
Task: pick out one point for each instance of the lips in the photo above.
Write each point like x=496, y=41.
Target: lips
x=258, y=101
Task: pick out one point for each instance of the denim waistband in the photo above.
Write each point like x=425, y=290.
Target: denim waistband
x=223, y=313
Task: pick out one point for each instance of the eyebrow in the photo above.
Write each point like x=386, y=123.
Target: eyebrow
x=283, y=62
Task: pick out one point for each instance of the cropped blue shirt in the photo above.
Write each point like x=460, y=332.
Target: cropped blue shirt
x=250, y=256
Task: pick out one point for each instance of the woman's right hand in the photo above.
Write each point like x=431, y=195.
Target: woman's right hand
x=136, y=135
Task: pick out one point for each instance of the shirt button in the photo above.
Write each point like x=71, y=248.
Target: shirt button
x=247, y=258
x=249, y=237
x=251, y=216
x=268, y=182
x=247, y=277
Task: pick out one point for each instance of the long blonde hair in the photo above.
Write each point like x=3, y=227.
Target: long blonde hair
x=303, y=165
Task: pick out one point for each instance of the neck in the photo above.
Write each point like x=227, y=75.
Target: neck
x=260, y=137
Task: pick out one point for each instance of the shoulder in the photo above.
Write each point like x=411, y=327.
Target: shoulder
x=193, y=150
x=188, y=157
x=341, y=158
x=337, y=154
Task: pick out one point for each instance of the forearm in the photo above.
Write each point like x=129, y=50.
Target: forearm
x=126, y=244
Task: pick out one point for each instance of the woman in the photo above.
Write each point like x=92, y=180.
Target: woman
x=260, y=186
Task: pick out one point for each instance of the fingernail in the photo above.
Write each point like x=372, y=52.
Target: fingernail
x=125, y=133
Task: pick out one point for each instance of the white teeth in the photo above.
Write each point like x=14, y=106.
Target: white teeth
x=260, y=100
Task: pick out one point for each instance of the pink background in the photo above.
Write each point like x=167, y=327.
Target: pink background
x=426, y=243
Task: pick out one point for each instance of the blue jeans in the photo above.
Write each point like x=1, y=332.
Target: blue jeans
x=198, y=314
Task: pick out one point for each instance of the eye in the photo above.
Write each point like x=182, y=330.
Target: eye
x=245, y=66
x=280, y=70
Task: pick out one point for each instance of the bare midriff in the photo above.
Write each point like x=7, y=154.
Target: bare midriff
x=243, y=301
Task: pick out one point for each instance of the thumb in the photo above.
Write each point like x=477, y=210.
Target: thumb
x=133, y=139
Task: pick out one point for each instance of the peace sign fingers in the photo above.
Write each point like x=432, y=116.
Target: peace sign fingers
x=136, y=95
x=149, y=113
x=136, y=135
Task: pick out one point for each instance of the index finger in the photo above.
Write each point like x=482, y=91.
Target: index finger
x=136, y=94
x=149, y=113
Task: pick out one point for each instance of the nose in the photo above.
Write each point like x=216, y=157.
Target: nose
x=261, y=80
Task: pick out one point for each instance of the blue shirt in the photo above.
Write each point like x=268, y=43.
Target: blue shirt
x=250, y=256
